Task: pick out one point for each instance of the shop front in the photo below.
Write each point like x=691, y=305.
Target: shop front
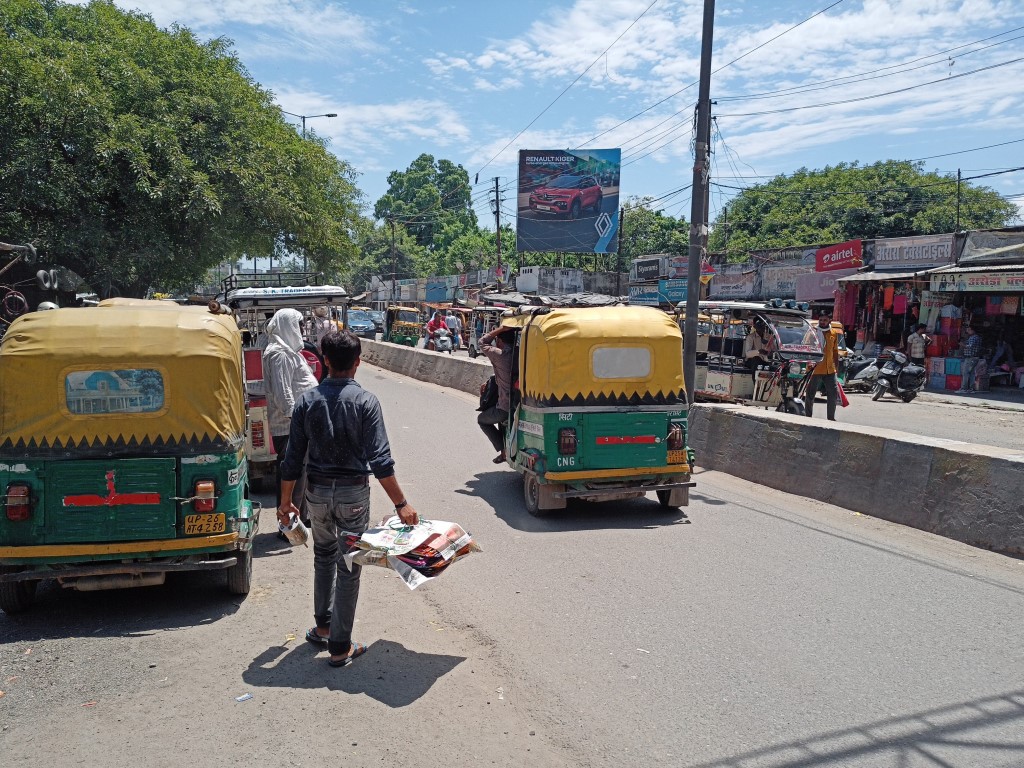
x=882, y=306
x=984, y=290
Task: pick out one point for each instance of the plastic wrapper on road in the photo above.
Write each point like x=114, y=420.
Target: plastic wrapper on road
x=417, y=553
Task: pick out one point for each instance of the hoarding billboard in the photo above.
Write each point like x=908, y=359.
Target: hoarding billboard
x=568, y=201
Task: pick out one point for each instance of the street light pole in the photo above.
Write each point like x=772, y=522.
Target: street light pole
x=304, y=118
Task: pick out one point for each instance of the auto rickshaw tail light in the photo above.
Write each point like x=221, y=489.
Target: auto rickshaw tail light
x=567, y=441
x=676, y=438
x=19, y=502
x=204, y=498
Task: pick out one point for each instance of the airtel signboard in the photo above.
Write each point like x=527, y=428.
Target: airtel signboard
x=846, y=255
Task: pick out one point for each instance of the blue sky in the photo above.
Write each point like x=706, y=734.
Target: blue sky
x=460, y=79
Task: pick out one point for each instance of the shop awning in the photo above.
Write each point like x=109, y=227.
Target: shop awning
x=878, y=277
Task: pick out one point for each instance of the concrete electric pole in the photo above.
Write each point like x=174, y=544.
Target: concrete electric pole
x=699, y=206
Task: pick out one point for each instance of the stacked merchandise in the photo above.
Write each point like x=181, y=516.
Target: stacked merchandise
x=937, y=373
x=417, y=553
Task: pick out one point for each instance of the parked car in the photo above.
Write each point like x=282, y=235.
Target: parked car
x=361, y=324
x=568, y=196
x=378, y=319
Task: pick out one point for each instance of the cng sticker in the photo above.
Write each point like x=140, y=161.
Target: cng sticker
x=566, y=461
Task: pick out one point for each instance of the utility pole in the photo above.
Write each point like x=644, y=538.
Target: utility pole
x=394, y=263
x=957, y=200
x=618, y=253
x=698, y=207
x=497, y=228
x=725, y=215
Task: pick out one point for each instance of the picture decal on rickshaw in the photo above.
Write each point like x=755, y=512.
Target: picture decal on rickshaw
x=113, y=498
x=97, y=392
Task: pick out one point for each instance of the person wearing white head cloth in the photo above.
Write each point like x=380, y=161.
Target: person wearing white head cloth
x=286, y=376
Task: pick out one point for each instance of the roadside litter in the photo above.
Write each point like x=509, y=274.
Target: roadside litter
x=417, y=553
x=243, y=697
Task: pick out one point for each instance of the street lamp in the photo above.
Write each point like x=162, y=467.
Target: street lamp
x=304, y=118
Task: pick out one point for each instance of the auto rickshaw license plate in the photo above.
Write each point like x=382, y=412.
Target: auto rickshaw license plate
x=195, y=524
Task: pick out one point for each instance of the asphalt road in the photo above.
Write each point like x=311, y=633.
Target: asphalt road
x=756, y=629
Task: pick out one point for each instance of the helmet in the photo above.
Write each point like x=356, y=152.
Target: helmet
x=45, y=305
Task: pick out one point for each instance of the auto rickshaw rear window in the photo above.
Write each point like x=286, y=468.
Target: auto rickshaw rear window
x=621, y=362
x=125, y=390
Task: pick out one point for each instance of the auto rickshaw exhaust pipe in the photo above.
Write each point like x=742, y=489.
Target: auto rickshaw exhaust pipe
x=115, y=581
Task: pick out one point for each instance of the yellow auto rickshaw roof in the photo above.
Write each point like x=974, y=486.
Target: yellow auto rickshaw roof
x=197, y=354
x=560, y=352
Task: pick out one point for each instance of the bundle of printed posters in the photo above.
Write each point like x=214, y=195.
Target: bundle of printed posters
x=417, y=553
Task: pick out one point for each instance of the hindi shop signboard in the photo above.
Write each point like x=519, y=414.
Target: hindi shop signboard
x=734, y=281
x=778, y=281
x=568, y=201
x=968, y=282
x=848, y=255
x=901, y=254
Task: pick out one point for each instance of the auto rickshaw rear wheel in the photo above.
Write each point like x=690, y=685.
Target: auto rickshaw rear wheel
x=240, y=574
x=531, y=494
x=17, y=596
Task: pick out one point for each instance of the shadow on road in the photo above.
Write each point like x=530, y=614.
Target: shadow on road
x=984, y=731
x=388, y=672
x=503, y=491
x=185, y=600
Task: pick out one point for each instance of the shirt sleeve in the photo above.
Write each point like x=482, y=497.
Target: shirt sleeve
x=374, y=439
x=298, y=441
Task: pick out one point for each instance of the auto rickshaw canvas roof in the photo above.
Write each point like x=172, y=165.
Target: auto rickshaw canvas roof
x=562, y=351
x=197, y=356
x=749, y=306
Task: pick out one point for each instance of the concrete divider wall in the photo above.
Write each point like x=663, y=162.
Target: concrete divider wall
x=460, y=373
x=971, y=493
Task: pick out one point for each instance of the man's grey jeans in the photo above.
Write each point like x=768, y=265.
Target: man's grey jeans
x=333, y=510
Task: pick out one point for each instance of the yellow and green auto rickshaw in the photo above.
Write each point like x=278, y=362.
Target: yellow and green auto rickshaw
x=598, y=406
x=402, y=325
x=121, y=449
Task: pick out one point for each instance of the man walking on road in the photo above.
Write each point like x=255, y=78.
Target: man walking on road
x=825, y=371
x=339, y=426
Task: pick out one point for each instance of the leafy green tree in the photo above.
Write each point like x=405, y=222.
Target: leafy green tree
x=141, y=157
x=849, y=201
x=647, y=231
x=431, y=200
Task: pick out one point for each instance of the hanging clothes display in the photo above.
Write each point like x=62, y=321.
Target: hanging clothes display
x=887, y=296
x=899, y=304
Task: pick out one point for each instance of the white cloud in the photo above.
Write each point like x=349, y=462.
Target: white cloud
x=303, y=29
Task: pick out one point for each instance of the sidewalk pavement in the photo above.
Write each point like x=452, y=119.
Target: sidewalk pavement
x=1002, y=399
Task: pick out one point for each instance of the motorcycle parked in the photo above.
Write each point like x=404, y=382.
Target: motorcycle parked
x=900, y=377
x=861, y=374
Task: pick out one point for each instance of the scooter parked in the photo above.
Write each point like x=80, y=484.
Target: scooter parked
x=861, y=374
x=900, y=378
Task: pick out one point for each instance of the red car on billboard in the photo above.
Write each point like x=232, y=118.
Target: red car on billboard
x=568, y=196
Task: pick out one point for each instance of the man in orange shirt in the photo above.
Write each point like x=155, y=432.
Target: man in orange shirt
x=824, y=374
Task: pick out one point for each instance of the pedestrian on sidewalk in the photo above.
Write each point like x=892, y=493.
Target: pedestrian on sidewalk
x=338, y=427
x=917, y=344
x=825, y=371
x=972, y=352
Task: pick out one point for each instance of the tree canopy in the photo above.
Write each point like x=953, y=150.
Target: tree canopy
x=850, y=201
x=646, y=231
x=139, y=156
x=431, y=199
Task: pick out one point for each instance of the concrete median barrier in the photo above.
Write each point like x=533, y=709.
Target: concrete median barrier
x=461, y=373
x=971, y=493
